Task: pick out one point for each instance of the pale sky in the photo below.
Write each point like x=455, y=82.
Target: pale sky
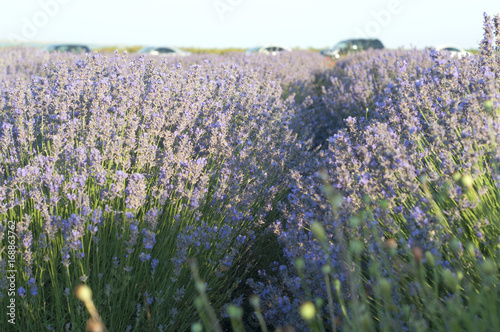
x=245, y=23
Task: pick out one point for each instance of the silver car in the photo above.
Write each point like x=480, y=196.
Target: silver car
x=455, y=51
x=269, y=50
x=163, y=51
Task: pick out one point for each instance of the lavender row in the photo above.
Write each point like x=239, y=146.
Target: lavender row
x=136, y=165
x=410, y=165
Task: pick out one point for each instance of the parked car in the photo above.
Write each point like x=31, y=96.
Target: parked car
x=163, y=51
x=71, y=48
x=454, y=50
x=351, y=46
x=269, y=50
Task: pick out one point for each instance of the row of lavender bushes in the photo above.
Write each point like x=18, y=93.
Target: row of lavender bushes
x=395, y=225
x=116, y=170
x=364, y=197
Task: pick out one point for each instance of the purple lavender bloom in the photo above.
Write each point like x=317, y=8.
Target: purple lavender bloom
x=154, y=264
x=144, y=257
x=21, y=292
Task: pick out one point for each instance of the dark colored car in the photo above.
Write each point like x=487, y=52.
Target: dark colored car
x=71, y=48
x=351, y=46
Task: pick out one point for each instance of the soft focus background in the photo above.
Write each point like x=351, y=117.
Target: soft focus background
x=243, y=24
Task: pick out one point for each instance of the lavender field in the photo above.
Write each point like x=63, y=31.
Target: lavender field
x=251, y=192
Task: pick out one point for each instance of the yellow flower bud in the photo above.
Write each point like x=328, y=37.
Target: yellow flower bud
x=466, y=181
x=307, y=310
x=83, y=293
